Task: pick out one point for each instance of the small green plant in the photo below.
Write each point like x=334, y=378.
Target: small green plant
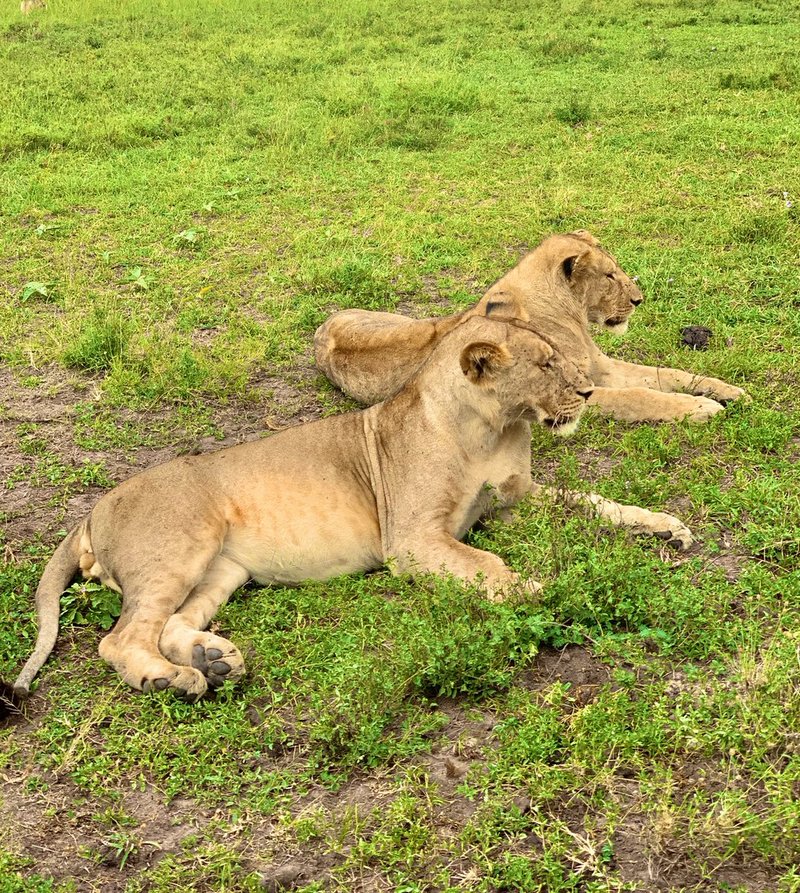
x=576, y=112
x=101, y=342
x=136, y=277
x=118, y=846
x=42, y=290
x=89, y=604
x=48, y=229
x=187, y=238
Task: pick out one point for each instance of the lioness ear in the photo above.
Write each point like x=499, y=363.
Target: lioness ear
x=482, y=360
x=506, y=305
x=585, y=236
x=568, y=265
x=572, y=265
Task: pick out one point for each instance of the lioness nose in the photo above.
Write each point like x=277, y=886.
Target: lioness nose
x=636, y=301
x=586, y=394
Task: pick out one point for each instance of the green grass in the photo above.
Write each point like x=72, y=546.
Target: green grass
x=186, y=191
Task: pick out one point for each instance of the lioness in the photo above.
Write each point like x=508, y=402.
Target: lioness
x=400, y=482
x=560, y=287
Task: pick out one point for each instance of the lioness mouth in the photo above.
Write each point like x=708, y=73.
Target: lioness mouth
x=616, y=321
x=556, y=423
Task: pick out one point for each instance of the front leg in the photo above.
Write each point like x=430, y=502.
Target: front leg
x=643, y=404
x=617, y=514
x=440, y=553
x=609, y=373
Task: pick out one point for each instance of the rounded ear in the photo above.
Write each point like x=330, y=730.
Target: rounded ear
x=568, y=265
x=585, y=236
x=482, y=361
x=573, y=265
x=541, y=352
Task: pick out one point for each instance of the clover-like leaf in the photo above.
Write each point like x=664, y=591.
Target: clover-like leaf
x=36, y=290
x=187, y=237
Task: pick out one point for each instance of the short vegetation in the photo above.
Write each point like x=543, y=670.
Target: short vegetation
x=186, y=191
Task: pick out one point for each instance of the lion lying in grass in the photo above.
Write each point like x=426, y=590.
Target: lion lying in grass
x=562, y=286
x=398, y=483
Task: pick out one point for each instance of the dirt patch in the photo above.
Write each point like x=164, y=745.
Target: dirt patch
x=575, y=666
x=69, y=836
x=659, y=855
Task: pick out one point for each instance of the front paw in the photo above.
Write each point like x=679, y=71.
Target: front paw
x=673, y=530
x=702, y=409
x=720, y=391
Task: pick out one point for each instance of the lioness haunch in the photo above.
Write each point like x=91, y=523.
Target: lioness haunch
x=400, y=482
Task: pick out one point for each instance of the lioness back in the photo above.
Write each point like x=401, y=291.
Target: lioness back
x=561, y=286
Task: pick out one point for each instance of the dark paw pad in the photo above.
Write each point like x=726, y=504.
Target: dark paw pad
x=220, y=668
x=664, y=534
x=199, y=661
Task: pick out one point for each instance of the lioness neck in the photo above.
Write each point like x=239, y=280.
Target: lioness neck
x=430, y=406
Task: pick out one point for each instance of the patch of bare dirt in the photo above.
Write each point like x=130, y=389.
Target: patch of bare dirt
x=69, y=836
x=573, y=665
x=657, y=852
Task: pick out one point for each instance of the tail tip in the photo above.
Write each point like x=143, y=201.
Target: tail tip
x=11, y=698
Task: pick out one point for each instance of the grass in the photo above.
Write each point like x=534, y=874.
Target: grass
x=186, y=191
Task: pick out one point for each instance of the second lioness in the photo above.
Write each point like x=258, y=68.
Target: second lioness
x=563, y=285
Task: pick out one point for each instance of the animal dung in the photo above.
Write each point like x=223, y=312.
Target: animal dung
x=696, y=337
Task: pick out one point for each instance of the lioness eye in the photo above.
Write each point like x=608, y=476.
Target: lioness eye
x=609, y=275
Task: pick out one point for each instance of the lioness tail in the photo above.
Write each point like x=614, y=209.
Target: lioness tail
x=57, y=575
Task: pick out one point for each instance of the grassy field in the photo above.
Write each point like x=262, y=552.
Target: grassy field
x=186, y=191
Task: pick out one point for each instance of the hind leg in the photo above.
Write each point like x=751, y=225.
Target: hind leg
x=151, y=595
x=183, y=640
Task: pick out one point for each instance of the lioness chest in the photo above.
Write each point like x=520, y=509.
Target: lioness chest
x=491, y=480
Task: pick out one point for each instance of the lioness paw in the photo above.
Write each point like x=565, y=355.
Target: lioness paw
x=720, y=391
x=186, y=682
x=215, y=657
x=703, y=409
x=216, y=663
x=673, y=530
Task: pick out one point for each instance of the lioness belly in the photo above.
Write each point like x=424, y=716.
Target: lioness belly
x=283, y=541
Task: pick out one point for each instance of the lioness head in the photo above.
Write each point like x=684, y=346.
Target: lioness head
x=600, y=287
x=598, y=281
x=526, y=375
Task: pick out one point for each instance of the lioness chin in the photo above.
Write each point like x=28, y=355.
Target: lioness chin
x=561, y=287
x=400, y=482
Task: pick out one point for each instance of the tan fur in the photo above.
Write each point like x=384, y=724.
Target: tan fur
x=563, y=285
x=399, y=483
